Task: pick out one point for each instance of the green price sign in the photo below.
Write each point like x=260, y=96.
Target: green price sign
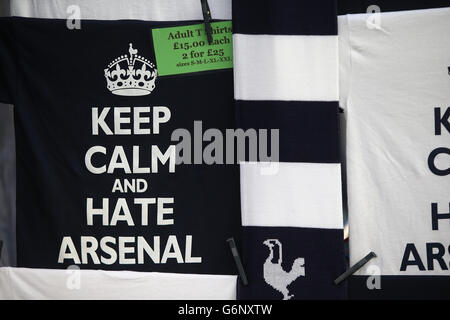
x=185, y=49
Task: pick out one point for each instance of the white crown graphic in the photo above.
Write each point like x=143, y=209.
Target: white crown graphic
x=131, y=76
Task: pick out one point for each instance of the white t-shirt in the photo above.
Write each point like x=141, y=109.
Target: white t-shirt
x=75, y=284
x=394, y=80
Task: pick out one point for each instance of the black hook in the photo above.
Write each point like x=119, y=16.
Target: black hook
x=355, y=268
x=237, y=260
x=207, y=19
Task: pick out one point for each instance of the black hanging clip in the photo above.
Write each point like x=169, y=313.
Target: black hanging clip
x=355, y=268
x=1, y=247
x=237, y=260
x=207, y=19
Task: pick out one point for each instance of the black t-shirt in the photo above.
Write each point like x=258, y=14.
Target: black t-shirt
x=96, y=181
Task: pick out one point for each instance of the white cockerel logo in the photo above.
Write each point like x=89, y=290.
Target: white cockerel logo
x=274, y=274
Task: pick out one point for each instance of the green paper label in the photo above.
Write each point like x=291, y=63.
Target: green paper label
x=185, y=49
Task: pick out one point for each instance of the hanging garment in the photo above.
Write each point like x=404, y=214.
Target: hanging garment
x=395, y=87
x=98, y=184
x=61, y=9
x=285, y=73
x=75, y=284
